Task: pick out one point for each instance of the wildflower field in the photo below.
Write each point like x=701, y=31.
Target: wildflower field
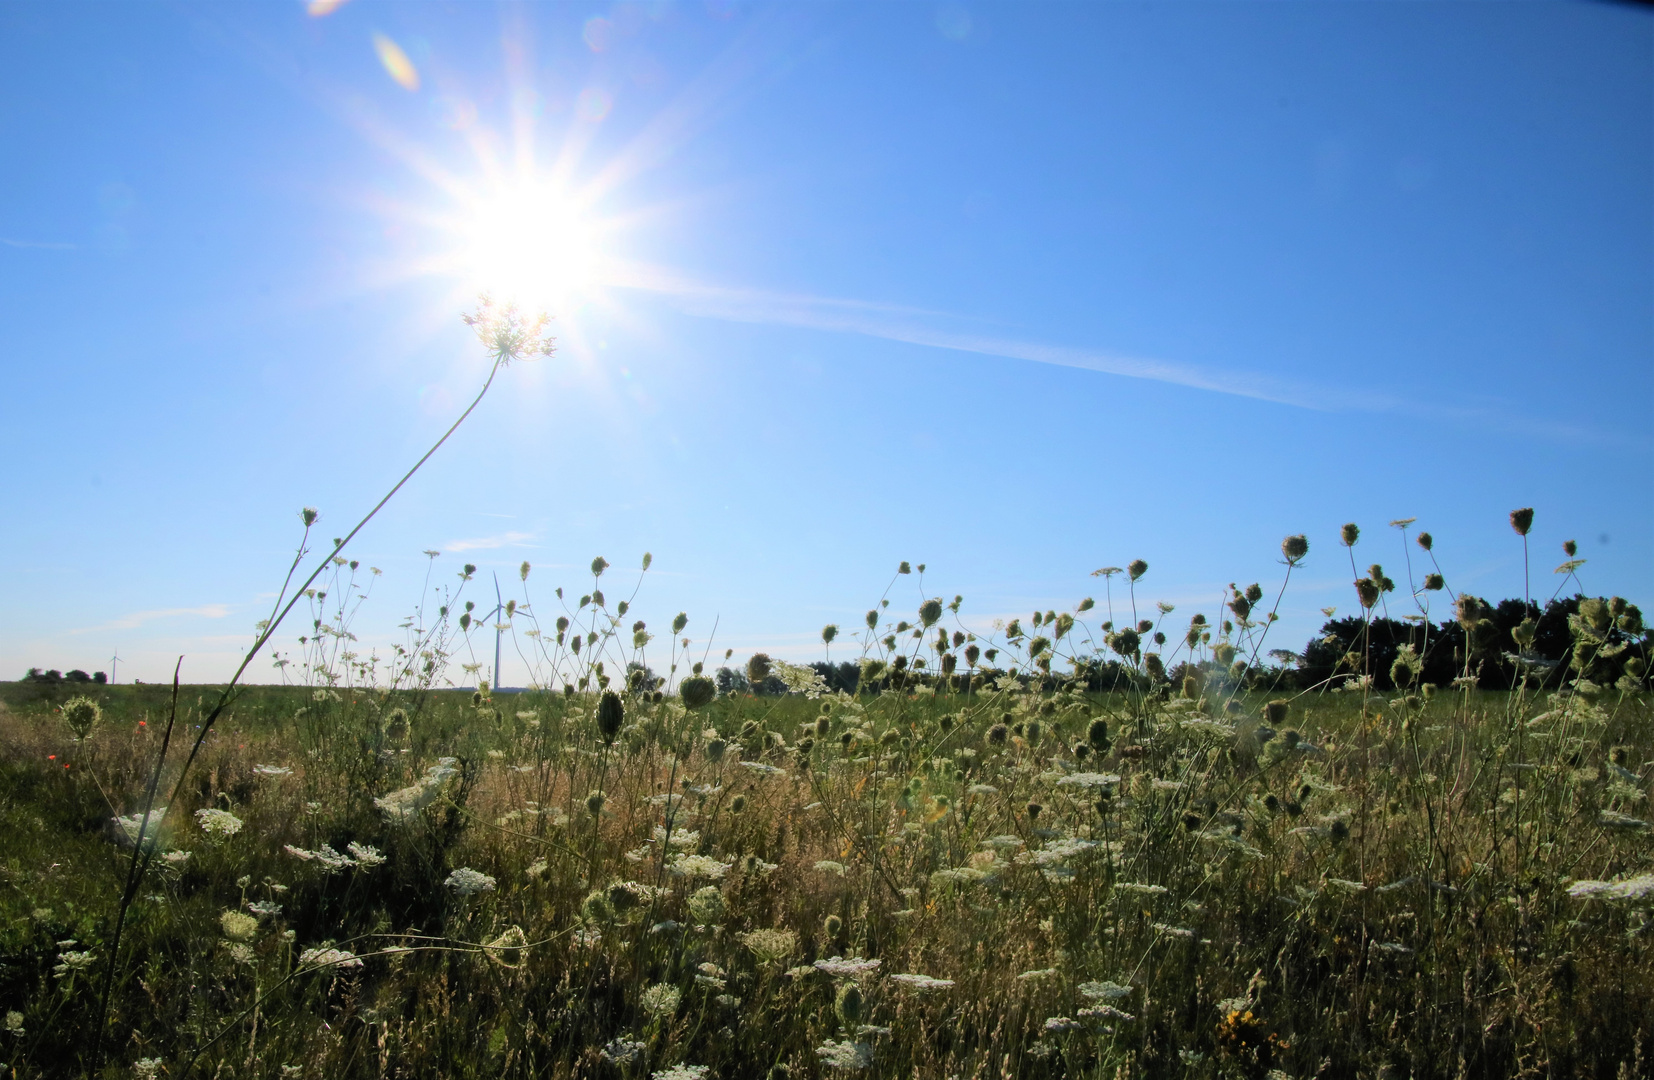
x=1086, y=844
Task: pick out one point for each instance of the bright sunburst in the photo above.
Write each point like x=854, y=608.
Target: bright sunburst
x=532, y=243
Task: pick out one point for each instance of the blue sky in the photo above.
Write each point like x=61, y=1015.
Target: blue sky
x=1017, y=291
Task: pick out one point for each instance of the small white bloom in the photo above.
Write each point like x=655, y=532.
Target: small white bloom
x=848, y=1055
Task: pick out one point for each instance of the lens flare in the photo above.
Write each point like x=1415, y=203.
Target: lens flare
x=396, y=62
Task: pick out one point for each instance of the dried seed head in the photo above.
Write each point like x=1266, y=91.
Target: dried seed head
x=1137, y=568
x=1349, y=534
x=697, y=692
x=1426, y=541
x=758, y=668
x=1522, y=520
x=832, y=926
x=1368, y=591
x=1276, y=711
x=1570, y=548
x=929, y=612
x=611, y=714
x=998, y=734
x=594, y=803
x=1434, y=582
x=1295, y=548
x=309, y=515
x=1096, y=733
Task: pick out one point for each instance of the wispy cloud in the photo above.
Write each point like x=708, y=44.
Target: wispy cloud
x=485, y=543
x=48, y=245
x=943, y=330
x=917, y=326
x=138, y=618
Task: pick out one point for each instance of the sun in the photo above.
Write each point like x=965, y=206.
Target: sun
x=533, y=244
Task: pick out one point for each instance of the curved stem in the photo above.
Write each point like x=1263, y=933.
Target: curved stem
x=141, y=857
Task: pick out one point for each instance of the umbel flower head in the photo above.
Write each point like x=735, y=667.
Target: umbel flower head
x=1295, y=548
x=507, y=333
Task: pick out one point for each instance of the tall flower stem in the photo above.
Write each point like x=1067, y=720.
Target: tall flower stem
x=508, y=337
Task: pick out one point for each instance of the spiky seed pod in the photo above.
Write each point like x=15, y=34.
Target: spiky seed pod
x=599, y=565
x=308, y=515
x=738, y=804
x=1276, y=711
x=1096, y=733
x=1144, y=626
x=1368, y=591
x=1293, y=809
x=824, y=724
x=1137, y=568
x=1349, y=534
x=872, y=619
x=697, y=691
x=594, y=803
x=1125, y=642
x=904, y=568
x=1468, y=610
x=1191, y=686
x=465, y=620
x=1224, y=653
x=396, y=724
x=929, y=612
x=998, y=734
x=477, y=699
x=634, y=680
x=470, y=568
x=1522, y=520
x=1295, y=548
x=715, y=750
x=1426, y=541
x=949, y=663
x=828, y=633
x=1340, y=830
x=596, y=907
x=1034, y=811
x=1434, y=582
x=1032, y=732
x=1570, y=548
x=611, y=714
x=1271, y=803
x=1153, y=666
x=972, y=655
x=1191, y=822
x=622, y=897
x=848, y=1004
x=568, y=690
x=758, y=668
x=1241, y=606
x=832, y=926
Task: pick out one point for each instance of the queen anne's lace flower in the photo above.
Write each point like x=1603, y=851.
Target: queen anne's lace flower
x=846, y=968
x=924, y=984
x=468, y=882
x=340, y=958
x=694, y=866
x=845, y=1055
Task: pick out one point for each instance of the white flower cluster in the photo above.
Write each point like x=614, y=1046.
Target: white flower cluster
x=329, y=860
x=403, y=805
x=845, y=1055
x=680, y=1072
x=924, y=984
x=846, y=968
x=341, y=958
x=132, y=824
x=272, y=770
x=468, y=882
x=1107, y=990
x=1088, y=780
x=624, y=1051
x=218, y=824
x=1628, y=889
x=694, y=866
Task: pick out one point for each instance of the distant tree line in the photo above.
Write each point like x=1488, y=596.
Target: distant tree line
x=1496, y=644
x=53, y=677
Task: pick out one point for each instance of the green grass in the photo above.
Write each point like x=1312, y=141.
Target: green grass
x=1392, y=893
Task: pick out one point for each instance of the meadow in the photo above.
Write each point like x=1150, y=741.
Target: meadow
x=1113, y=841
x=976, y=865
